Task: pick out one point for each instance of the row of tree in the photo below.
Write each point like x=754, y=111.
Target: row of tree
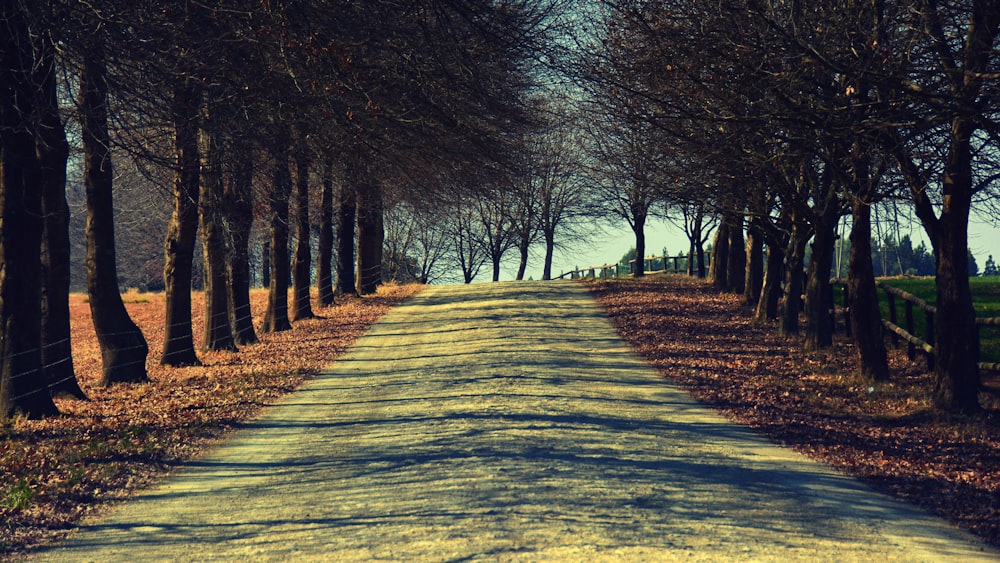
x=545, y=204
x=238, y=113
x=385, y=136
x=542, y=206
x=781, y=117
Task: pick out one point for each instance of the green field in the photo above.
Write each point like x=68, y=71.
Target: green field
x=985, y=296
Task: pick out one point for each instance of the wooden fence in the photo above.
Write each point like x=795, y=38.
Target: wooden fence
x=653, y=265
x=917, y=337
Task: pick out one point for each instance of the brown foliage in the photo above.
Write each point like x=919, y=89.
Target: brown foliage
x=55, y=471
x=887, y=434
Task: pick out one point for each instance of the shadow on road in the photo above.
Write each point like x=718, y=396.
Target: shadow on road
x=499, y=421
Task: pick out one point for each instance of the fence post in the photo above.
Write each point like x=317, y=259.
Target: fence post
x=911, y=349
x=891, y=300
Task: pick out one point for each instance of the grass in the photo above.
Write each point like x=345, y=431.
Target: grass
x=985, y=297
x=18, y=495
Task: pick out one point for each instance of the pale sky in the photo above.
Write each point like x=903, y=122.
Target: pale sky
x=984, y=240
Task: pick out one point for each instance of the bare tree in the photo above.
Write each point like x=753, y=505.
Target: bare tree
x=23, y=386
x=276, y=317
x=958, y=64
x=302, y=273
x=324, y=255
x=494, y=211
x=218, y=329
x=467, y=236
x=238, y=217
x=627, y=177
x=123, y=347
x=53, y=151
x=347, y=209
x=557, y=180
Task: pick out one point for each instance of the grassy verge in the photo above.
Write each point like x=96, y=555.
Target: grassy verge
x=985, y=297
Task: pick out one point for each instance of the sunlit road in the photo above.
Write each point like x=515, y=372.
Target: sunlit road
x=505, y=422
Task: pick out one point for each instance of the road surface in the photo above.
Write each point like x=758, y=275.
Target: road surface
x=505, y=422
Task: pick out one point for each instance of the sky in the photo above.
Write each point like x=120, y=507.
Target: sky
x=613, y=243
x=607, y=245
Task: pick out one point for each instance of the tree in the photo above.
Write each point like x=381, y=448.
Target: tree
x=734, y=87
x=187, y=96
x=346, y=227
x=23, y=386
x=123, y=347
x=218, y=328
x=207, y=93
x=557, y=176
x=53, y=151
x=466, y=236
x=627, y=177
x=324, y=257
x=303, y=238
x=276, y=316
x=697, y=223
x=526, y=208
x=371, y=232
x=238, y=216
x=952, y=93
x=178, y=341
x=416, y=241
x=497, y=228
x=990, y=269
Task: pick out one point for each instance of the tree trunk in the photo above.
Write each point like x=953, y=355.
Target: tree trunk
x=302, y=278
x=276, y=316
x=239, y=213
x=550, y=245
x=123, y=347
x=347, y=208
x=792, y=297
x=754, y=279
x=53, y=153
x=819, y=293
x=23, y=386
x=178, y=339
x=702, y=269
x=770, y=293
x=218, y=333
x=866, y=320
x=639, y=228
x=956, y=369
x=522, y=264
x=718, y=267
x=370, y=237
x=325, y=252
x=736, y=267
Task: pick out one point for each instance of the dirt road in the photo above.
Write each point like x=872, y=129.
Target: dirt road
x=506, y=422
